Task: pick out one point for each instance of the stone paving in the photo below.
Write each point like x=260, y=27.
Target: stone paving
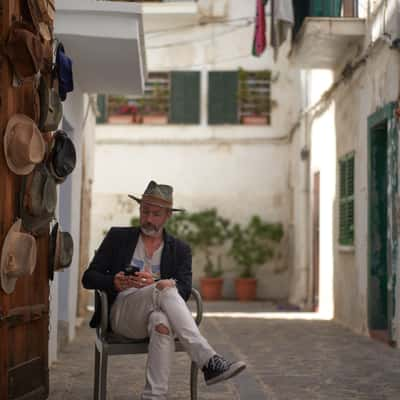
x=287, y=360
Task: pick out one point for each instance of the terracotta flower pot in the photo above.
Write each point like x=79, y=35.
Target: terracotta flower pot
x=246, y=289
x=211, y=288
x=254, y=120
x=155, y=119
x=120, y=119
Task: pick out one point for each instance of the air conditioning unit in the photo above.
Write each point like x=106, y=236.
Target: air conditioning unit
x=213, y=9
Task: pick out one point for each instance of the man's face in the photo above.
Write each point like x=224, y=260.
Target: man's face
x=152, y=219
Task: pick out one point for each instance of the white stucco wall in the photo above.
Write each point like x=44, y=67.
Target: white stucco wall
x=342, y=128
x=317, y=135
x=372, y=89
x=323, y=160
x=79, y=115
x=241, y=170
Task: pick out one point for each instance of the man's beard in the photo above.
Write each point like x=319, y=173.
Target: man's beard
x=152, y=230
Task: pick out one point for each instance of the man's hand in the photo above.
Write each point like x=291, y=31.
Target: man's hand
x=122, y=281
x=142, y=278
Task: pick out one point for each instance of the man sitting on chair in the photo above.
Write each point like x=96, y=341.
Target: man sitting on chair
x=151, y=302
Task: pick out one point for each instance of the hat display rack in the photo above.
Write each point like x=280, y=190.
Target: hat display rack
x=38, y=154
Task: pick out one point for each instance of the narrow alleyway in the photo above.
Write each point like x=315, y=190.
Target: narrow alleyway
x=288, y=359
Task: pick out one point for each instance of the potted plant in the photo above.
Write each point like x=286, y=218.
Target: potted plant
x=119, y=110
x=209, y=232
x=252, y=246
x=211, y=283
x=155, y=107
x=253, y=102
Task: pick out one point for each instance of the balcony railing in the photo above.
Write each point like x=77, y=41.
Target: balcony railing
x=325, y=30
x=324, y=9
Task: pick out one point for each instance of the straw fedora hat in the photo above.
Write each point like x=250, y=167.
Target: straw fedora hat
x=18, y=257
x=24, y=146
x=157, y=195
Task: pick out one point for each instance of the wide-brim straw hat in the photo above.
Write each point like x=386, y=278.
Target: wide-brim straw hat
x=42, y=15
x=24, y=146
x=157, y=195
x=18, y=257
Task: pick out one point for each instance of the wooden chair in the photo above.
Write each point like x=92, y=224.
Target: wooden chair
x=110, y=344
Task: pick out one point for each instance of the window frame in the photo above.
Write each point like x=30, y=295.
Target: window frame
x=346, y=213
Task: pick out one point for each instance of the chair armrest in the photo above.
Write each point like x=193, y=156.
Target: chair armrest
x=199, y=306
x=103, y=326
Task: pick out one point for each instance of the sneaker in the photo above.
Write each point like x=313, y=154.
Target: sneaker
x=218, y=369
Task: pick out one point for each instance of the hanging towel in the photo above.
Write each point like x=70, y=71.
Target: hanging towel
x=260, y=40
x=282, y=21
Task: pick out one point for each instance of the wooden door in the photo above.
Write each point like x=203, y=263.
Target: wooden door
x=24, y=314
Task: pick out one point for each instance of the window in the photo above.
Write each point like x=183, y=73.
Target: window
x=239, y=97
x=346, y=201
x=169, y=97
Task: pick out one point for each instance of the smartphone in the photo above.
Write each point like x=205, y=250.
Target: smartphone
x=131, y=270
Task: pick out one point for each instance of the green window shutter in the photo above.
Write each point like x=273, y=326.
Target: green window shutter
x=222, y=97
x=325, y=8
x=185, y=97
x=346, y=201
x=102, y=108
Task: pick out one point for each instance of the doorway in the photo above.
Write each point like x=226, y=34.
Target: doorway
x=382, y=252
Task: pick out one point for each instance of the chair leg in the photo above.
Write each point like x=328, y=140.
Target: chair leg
x=103, y=375
x=96, y=373
x=193, y=381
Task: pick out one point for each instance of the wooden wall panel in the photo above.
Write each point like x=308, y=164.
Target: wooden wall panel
x=24, y=314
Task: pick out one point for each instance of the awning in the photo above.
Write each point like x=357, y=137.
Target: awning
x=106, y=43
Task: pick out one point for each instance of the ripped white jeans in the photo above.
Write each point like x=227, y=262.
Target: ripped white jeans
x=137, y=313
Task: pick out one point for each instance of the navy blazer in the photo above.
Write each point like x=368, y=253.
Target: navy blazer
x=116, y=251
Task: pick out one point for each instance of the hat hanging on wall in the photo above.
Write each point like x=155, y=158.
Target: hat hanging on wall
x=61, y=250
x=38, y=200
x=24, y=50
x=62, y=158
x=18, y=257
x=63, y=70
x=24, y=146
x=51, y=109
x=42, y=15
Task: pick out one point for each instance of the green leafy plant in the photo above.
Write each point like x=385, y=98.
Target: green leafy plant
x=252, y=245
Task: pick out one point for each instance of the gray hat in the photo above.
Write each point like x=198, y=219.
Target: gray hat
x=51, y=109
x=61, y=250
x=38, y=200
x=157, y=195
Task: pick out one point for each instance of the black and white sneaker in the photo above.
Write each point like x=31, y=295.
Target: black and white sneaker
x=218, y=369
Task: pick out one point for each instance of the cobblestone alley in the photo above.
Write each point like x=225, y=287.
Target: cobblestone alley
x=288, y=359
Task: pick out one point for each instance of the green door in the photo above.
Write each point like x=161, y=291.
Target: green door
x=383, y=190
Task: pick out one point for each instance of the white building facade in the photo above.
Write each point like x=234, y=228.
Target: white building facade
x=350, y=128
x=242, y=170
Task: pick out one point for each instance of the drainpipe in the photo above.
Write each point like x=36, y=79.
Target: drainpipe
x=307, y=202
